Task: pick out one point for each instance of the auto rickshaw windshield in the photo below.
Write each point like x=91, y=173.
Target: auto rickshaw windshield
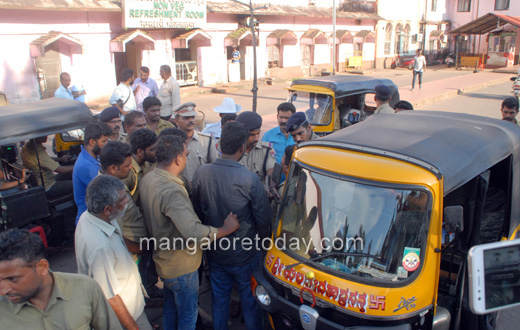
x=361, y=229
x=317, y=107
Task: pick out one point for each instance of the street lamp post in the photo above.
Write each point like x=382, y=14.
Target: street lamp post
x=252, y=21
x=333, y=37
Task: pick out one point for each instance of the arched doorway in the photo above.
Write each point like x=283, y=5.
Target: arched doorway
x=406, y=39
x=399, y=39
x=388, y=39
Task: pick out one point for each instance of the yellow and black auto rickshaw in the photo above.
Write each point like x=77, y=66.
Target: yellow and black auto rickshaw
x=376, y=221
x=334, y=102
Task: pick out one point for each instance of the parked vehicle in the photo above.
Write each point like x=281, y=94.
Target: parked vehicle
x=450, y=60
x=402, y=62
x=29, y=208
x=376, y=221
x=334, y=102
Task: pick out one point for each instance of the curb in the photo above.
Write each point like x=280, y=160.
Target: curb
x=443, y=96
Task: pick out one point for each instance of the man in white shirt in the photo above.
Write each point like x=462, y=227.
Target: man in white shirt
x=169, y=93
x=228, y=107
x=419, y=66
x=123, y=96
x=102, y=254
x=63, y=92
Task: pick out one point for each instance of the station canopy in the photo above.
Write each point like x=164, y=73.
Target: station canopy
x=486, y=23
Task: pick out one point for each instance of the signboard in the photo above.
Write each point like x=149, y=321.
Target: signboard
x=159, y=14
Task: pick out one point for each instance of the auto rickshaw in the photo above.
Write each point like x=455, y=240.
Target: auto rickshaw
x=376, y=221
x=334, y=102
x=29, y=207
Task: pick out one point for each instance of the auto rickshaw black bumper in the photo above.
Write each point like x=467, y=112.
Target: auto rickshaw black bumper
x=285, y=314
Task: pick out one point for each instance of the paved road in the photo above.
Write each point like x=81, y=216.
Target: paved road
x=483, y=102
x=270, y=96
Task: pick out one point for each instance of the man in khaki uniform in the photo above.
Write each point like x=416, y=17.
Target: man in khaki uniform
x=55, y=185
x=133, y=121
x=116, y=161
x=152, y=111
x=143, y=156
x=201, y=147
x=259, y=157
x=382, y=98
x=112, y=117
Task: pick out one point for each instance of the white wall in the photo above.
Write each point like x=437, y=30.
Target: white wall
x=322, y=54
x=94, y=68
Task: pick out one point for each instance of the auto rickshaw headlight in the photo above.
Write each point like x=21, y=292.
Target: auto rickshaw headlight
x=262, y=296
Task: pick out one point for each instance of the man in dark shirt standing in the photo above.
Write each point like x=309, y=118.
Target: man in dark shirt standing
x=227, y=186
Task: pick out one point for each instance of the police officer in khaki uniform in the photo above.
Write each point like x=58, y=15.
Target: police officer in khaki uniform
x=201, y=146
x=260, y=157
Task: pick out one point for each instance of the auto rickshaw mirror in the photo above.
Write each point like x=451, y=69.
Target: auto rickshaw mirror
x=454, y=218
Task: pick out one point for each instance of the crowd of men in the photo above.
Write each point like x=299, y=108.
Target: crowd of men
x=151, y=174
x=145, y=173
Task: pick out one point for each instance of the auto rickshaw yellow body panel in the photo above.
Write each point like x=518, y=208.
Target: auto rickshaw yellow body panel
x=392, y=302
x=63, y=145
x=329, y=126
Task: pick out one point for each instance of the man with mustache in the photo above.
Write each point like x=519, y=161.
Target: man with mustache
x=101, y=252
x=34, y=297
x=201, y=147
x=112, y=117
x=143, y=143
x=152, y=112
x=259, y=157
x=278, y=136
x=87, y=165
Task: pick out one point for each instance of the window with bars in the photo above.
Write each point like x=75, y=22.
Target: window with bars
x=464, y=5
x=501, y=4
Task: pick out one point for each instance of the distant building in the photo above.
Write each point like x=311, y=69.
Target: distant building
x=43, y=38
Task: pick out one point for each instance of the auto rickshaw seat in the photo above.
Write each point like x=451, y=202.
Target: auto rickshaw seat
x=26, y=206
x=61, y=200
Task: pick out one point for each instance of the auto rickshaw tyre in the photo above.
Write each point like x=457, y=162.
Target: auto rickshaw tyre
x=393, y=66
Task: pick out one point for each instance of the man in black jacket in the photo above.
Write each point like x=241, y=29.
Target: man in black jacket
x=227, y=186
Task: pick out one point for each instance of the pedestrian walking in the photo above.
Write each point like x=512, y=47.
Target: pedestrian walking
x=419, y=66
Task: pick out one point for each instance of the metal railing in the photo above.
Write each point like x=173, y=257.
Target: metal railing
x=186, y=72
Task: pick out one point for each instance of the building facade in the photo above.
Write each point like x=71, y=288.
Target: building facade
x=89, y=40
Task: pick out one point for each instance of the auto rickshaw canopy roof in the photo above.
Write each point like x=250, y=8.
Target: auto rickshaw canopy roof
x=454, y=146
x=343, y=85
x=21, y=122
